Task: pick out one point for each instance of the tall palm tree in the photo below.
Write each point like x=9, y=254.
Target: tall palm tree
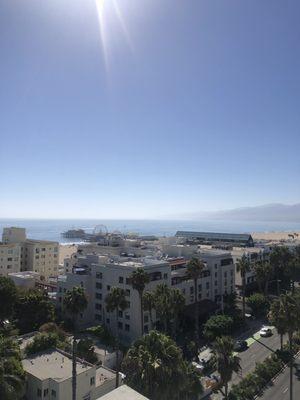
x=280, y=259
x=149, y=305
x=75, y=302
x=115, y=302
x=177, y=304
x=285, y=313
x=139, y=278
x=243, y=266
x=263, y=271
x=225, y=361
x=194, y=271
x=162, y=305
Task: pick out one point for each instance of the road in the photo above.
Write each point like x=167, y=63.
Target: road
x=258, y=351
x=280, y=390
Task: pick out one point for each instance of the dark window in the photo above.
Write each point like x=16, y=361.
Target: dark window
x=200, y=287
x=127, y=327
x=146, y=318
x=127, y=292
x=120, y=314
x=165, y=276
x=226, y=261
x=98, y=317
x=191, y=289
x=98, y=306
x=53, y=393
x=127, y=316
x=207, y=285
x=99, y=296
x=98, y=285
x=216, y=283
x=127, y=281
x=108, y=287
x=120, y=325
x=121, y=279
x=92, y=380
x=146, y=329
x=216, y=274
x=107, y=320
x=39, y=393
x=99, y=275
x=45, y=392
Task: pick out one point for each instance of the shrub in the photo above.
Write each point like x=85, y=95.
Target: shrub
x=218, y=325
x=42, y=341
x=258, y=303
x=104, y=334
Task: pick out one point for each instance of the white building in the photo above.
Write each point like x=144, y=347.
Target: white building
x=49, y=376
x=17, y=253
x=123, y=392
x=254, y=254
x=97, y=274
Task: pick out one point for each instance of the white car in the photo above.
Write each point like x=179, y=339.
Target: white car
x=265, y=332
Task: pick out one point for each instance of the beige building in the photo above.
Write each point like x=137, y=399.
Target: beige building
x=22, y=254
x=49, y=376
x=10, y=258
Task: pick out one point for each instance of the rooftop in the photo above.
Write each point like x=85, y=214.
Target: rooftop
x=123, y=392
x=215, y=236
x=52, y=364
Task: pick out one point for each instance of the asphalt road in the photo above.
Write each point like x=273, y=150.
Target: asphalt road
x=257, y=352
x=279, y=390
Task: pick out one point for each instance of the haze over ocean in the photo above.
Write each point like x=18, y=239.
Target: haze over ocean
x=51, y=229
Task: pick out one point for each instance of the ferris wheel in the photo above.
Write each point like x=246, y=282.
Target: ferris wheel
x=100, y=230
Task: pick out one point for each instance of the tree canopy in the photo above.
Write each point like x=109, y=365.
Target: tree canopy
x=218, y=325
x=8, y=297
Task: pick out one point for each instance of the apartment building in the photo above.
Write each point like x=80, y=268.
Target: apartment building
x=49, y=376
x=10, y=258
x=97, y=274
x=39, y=256
x=254, y=254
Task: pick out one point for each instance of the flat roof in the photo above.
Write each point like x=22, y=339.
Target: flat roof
x=215, y=235
x=52, y=364
x=38, y=241
x=123, y=392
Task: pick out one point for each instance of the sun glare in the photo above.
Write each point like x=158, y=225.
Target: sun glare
x=108, y=11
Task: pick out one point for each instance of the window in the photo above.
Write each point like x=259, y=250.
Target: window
x=216, y=266
x=192, y=290
x=107, y=320
x=99, y=296
x=43, y=249
x=216, y=283
x=98, y=306
x=92, y=380
x=200, y=287
x=225, y=274
x=45, y=392
x=121, y=279
x=53, y=393
x=39, y=393
x=146, y=329
x=127, y=316
x=9, y=259
x=127, y=292
x=127, y=327
x=207, y=285
x=108, y=288
x=127, y=281
x=165, y=276
x=98, y=317
x=120, y=314
x=99, y=275
x=199, y=296
x=98, y=285
x=146, y=318
x=120, y=325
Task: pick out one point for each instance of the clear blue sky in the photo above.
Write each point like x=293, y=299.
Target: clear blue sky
x=170, y=106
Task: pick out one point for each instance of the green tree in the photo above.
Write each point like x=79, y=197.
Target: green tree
x=263, y=272
x=115, y=302
x=139, y=278
x=86, y=350
x=285, y=315
x=162, y=305
x=155, y=367
x=149, y=305
x=33, y=309
x=41, y=342
x=243, y=266
x=75, y=302
x=225, y=361
x=258, y=303
x=12, y=380
x=194, y=271
x=8, y=297
x=217, y=326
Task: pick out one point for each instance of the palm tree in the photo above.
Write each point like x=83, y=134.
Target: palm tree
x=116, y=302
x=75, y=302
x=243, y=266
x=263, y=271
x=177, y=304
x=285, y=314
x=139, y=278
x=280, y=259
x=149, y=305
x=162, y=305
x=194, y=271
x=225, y=362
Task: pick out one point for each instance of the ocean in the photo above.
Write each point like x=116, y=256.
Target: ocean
x=51, y=229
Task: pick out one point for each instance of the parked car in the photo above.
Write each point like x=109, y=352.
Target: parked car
x=265, y=332
x=240, y=345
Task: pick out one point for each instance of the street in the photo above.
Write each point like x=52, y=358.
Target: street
x=279, y=390
x=258, y=351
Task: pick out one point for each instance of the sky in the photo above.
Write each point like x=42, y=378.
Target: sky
x=147, y=108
